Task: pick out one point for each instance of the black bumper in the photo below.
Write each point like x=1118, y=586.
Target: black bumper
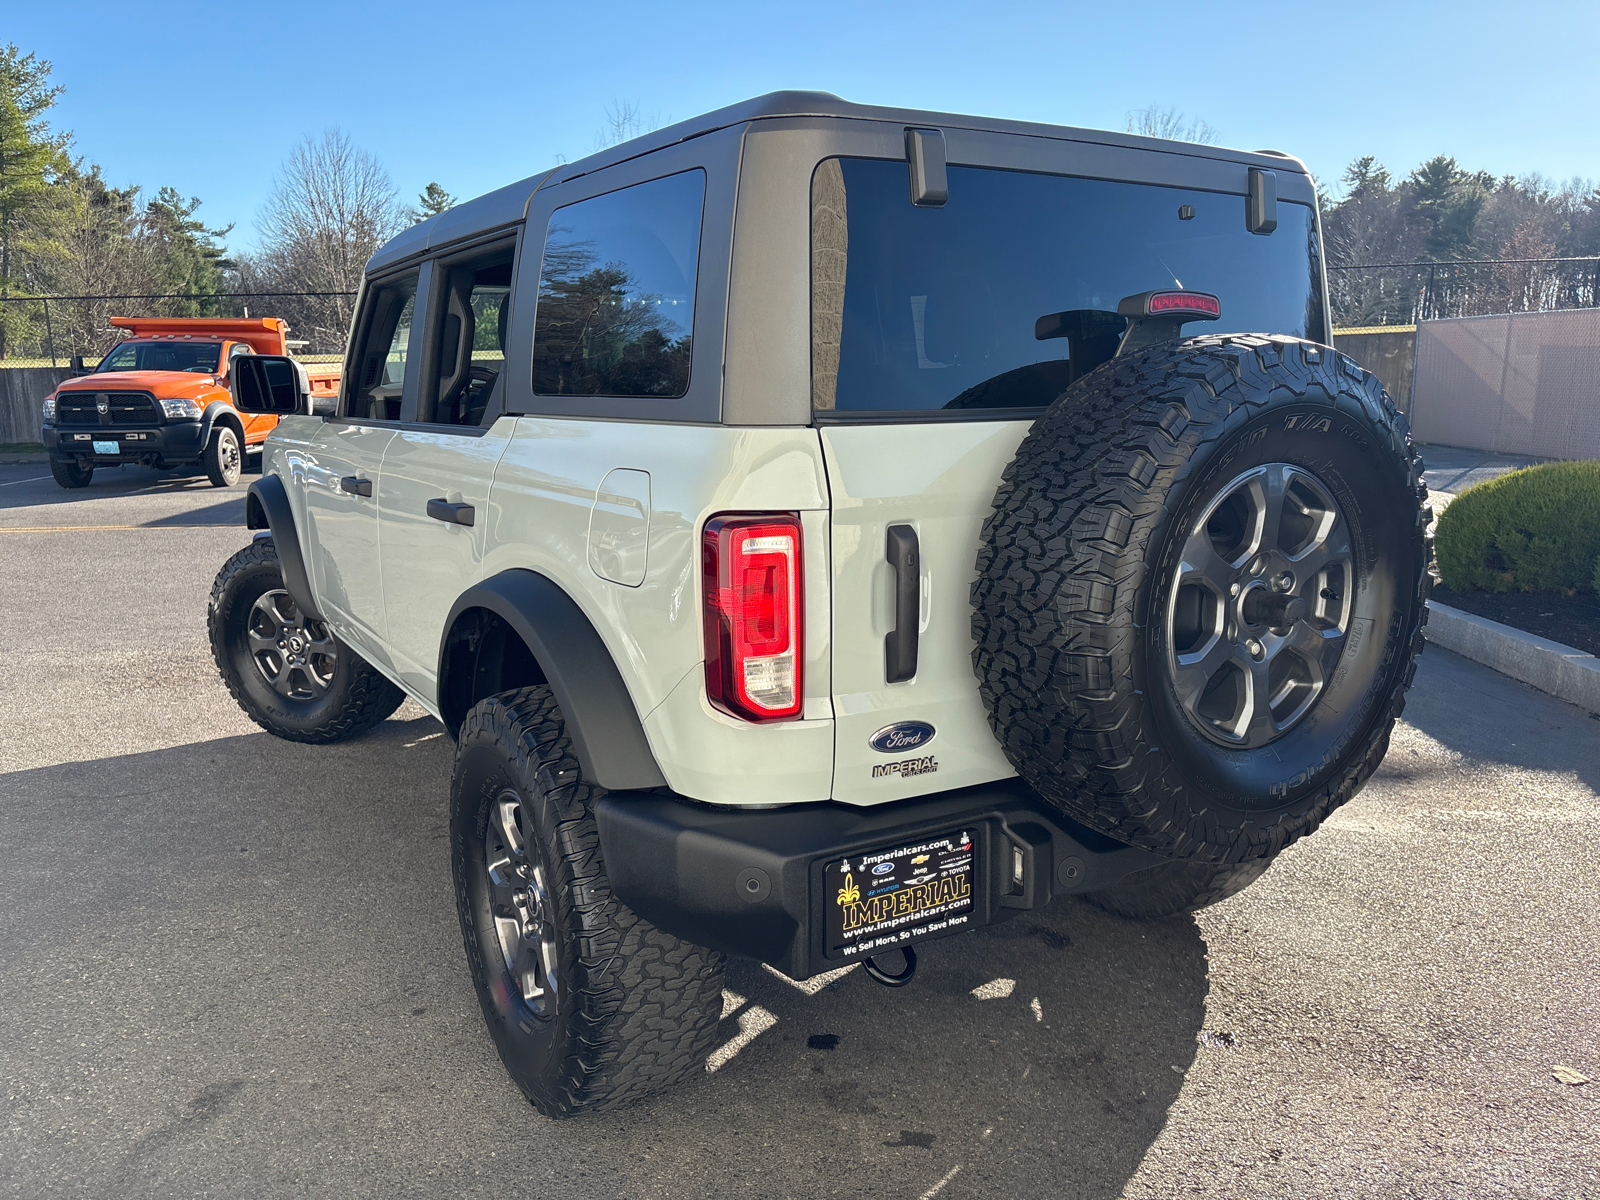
x=750, y=881
x=178, y=442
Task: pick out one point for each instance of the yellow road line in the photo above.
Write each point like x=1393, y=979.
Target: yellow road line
x=101, y=528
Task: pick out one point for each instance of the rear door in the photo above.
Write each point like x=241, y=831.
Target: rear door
x=939, y=332
x=439, y=466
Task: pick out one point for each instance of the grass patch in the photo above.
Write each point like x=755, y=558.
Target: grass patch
x=21, y=447
x=1534, y=530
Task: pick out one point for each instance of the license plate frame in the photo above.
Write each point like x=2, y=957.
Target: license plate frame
x=111, y=447
x=929, y=889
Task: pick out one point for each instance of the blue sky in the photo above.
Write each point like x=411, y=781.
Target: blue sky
x=209, y=98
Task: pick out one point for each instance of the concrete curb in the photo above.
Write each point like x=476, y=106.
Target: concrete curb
x=1564, y=672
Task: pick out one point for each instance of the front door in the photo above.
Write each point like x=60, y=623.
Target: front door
x=342, y=480
x=342, y=530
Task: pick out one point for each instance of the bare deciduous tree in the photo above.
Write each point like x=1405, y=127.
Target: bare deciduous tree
x=623, y=121
x=1171, y=124
x=332, y=206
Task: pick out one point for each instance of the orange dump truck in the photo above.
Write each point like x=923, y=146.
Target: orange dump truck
x=160, y=399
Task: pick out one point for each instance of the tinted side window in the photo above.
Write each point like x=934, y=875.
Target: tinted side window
x=938, y=308
x=385, y=343
x=616, y=292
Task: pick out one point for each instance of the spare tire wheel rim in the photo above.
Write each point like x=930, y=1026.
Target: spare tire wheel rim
x=1259, y=608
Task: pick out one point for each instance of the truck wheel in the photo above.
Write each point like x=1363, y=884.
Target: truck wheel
x=223, y=461
x=290, y=674
x=69, y=474
x=1171, y=889
x=1201, y=592
x=589, y=1006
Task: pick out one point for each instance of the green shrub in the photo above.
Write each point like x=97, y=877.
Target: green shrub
x=1537, y=530
x=1597, y=575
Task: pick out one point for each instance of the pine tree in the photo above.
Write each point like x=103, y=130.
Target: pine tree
x=433, y=201
x=31, y=158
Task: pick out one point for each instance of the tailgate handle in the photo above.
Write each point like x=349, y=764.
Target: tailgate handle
x=356, y=487
x=455, y=514
x=900, y=647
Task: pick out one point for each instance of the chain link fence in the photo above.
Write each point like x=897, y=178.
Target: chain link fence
x=1408, y=293
x=46, y=331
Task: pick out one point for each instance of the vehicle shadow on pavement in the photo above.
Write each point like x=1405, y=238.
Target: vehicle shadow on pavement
x=229, y=510
x=116, y=484
x=239, y=959
x=1482, y=715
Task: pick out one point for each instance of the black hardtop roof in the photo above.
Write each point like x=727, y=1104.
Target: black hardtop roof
x=509, y=204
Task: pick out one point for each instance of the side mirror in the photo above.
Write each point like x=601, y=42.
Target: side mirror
x=77, y=366
x=269, y=383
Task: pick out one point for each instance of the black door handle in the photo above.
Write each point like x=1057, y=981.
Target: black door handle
x=900, y=647
x=356, y=487
x=457, y=514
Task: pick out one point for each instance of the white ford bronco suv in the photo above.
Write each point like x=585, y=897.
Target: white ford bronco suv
x=824, y=529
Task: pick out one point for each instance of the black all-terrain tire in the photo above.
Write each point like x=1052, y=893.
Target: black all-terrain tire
x=1173, y=888
x=1080, y=565
x=622, y=1010
x=341, y=695
x=224, y=457
x=69, y=474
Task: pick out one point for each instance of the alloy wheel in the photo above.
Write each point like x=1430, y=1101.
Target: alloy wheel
x=295, y=656
x=520, y=905
x=1259, y=611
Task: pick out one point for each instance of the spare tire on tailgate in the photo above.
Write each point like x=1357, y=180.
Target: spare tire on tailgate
x=1201, y=592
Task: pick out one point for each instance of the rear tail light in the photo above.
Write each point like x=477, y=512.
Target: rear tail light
x=754, y=612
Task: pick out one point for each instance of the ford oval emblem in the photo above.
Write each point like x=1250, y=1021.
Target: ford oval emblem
x=901, y=736
x=883, y=868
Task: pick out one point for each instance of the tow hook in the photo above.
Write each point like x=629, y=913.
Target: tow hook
x=894, y=981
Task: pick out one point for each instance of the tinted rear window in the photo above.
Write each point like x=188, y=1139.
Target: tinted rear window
x=935, y=308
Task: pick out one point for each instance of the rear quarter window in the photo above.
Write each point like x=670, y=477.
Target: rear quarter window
x=615, y=315
x=934, y=309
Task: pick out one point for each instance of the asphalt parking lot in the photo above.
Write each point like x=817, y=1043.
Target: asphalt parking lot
x=229, y=965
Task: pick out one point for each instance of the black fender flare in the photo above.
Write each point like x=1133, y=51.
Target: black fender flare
x=266, y=506
x=607, y=735
x=215, y=411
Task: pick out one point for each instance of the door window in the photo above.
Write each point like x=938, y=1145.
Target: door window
x=472, y=321
x=385, y=343
x=616, y=294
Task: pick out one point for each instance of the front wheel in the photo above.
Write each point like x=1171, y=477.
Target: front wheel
x=589, y=1005
x=69, y=474
x=224, y=461
x=288, y=672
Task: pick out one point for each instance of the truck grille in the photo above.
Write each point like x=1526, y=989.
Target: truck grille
x=122, y=408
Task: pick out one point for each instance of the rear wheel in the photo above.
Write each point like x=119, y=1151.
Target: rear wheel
x=288, y=672
x=223, y=459
x=1201, y=594
x=69, y=474
x=589, y=1005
